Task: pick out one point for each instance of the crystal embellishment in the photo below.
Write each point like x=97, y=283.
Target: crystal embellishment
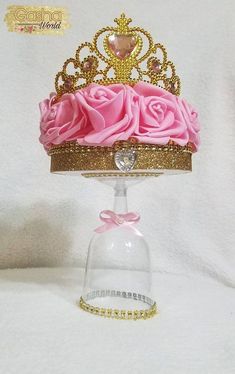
x=88, y=64
x=122, y=45
x=156, y=67
x=125, y=160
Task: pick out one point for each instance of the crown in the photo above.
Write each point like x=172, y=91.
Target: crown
x=121, y=58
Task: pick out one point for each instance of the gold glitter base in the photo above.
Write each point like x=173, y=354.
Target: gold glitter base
x=151, y=160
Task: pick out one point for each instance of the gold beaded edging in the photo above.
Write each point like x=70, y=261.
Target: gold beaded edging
x=121, y=313
x=120, y=175
x=71, y=156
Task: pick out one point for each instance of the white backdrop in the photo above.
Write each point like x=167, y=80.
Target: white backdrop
x=47, y=220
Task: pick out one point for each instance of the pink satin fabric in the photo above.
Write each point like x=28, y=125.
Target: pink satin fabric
x=101, y=115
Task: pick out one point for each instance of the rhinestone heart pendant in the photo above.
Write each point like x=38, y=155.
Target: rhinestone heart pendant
x=125, y=160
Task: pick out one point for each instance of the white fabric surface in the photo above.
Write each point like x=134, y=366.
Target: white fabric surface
x=47, y=220
x=188, y=220
x=43, y=331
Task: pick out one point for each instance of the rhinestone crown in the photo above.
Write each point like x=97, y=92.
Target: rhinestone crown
x=122, y=58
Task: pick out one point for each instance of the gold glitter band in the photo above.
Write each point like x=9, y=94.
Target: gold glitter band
x=119, y=313
x=100, y=161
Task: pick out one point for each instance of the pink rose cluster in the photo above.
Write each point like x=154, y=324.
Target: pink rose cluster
x=101, y=115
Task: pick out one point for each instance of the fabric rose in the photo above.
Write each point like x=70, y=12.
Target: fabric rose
x=62, y=121
x=191, y=119
x=160, y=119
x=101, y=115
x=112, y=112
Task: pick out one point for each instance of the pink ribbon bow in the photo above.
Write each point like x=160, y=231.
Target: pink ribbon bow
x=113, y=220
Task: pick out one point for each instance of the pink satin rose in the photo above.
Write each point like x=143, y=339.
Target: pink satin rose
x=112, y=112
x=62, y=121
x=160, y=119
x=191, y=119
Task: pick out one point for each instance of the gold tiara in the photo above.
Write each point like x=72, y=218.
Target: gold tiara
x=119, y=59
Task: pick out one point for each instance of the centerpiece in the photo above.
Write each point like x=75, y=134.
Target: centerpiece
x=117, y=117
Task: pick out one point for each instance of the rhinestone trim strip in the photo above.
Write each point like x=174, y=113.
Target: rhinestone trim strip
x=118, y=313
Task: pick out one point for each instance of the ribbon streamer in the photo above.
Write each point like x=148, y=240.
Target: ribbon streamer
x=113, y=220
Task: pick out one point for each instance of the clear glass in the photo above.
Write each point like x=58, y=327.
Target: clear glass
x=118, y=268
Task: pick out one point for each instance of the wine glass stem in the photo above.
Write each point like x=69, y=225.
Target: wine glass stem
x=120, y=196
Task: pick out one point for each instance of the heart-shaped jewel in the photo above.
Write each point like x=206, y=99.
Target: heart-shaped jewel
x=68, y=84
x=122, y=45
x=89, y=63
x=125, y=160
x=155, y=66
